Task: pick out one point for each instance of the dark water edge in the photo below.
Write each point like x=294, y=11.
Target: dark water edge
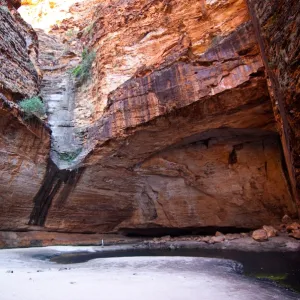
x=283, y=268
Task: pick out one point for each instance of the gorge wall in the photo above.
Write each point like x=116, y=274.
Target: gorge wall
x=24, y=145
x=175, y=127
x=277, y=30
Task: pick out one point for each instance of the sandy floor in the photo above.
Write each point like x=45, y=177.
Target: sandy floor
x=142, y=278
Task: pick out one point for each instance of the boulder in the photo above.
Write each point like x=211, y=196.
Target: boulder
x=295, y=234
x=217, y=239
x=271, y=231
x=292, y=227
x=260, y=235
x=218, y=233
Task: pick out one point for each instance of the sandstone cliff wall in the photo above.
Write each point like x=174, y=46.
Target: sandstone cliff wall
x=18, y=54
x=24, y=144
x=178, y=113
x=277, y=29
x=176, y=123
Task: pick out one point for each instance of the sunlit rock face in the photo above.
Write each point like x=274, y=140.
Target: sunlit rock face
x=24, y=144
x=44, y=14
x=18, y=55
x=178, y=126
x=135, y=38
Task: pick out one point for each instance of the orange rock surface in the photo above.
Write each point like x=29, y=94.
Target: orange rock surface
x=176, y=124
x=24, y=144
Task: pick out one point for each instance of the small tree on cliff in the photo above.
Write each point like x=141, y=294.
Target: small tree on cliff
x=82, y=71
x=33, y=106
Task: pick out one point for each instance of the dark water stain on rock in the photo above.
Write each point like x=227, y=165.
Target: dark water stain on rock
x=57, y=184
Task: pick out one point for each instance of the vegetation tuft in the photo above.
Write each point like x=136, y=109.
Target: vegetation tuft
x=4, y=8
x=69, y=156
x=277, y=277
x=82, y=71
x=89, y=29
x=33, y=106
x=71, y=33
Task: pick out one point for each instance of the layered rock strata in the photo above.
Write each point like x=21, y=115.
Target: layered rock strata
x=189, y=141
x=18, y=56
x=24, y=144
x=176, y=125
x=23, y=160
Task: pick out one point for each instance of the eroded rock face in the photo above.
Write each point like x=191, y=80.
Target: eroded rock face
x=23, y=157
x=18, y=56
x=176, y=119
x=180, y=101
x=137, y=38
x=24, y=144
x=179, y=117
x=218, y=182
x=184, y=99
x=277, y=26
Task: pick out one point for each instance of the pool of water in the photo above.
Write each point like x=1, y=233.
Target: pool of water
x=280, y=267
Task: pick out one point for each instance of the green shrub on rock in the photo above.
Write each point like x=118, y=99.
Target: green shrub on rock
x=4, y=8
x=33, y=106
x=82, y=71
